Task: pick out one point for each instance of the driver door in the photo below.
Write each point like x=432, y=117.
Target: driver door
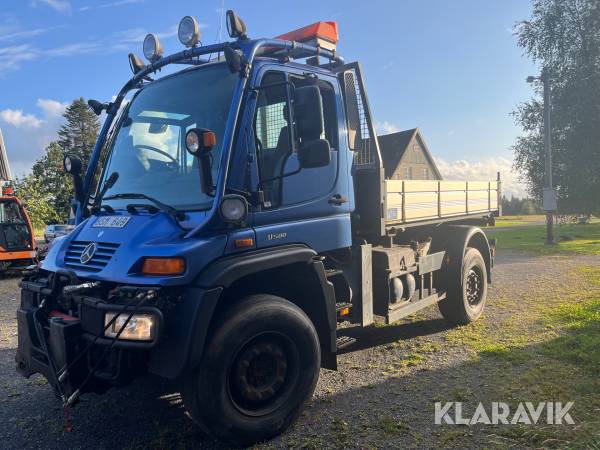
x=301, y=205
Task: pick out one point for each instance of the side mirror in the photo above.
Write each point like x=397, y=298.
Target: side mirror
x=72, y=165
x=315, y=153
x=308, y=112
x=199, y=143
x=234, y=59
x=97, y=106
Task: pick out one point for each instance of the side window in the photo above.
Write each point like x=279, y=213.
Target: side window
x=273, y=135
x=282, y=181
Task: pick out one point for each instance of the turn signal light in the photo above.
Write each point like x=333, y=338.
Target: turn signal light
x=209, y=138
x=163, y=266
x=344, y=311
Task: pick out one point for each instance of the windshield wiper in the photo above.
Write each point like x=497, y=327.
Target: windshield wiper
x=133, y=196
x=110, y=182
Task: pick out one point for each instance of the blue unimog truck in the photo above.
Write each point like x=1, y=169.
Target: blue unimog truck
x=232, y=213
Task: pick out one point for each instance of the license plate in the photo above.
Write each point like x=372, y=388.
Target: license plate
x=111, y=222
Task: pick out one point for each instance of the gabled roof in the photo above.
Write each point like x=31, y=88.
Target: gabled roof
x=393, y=146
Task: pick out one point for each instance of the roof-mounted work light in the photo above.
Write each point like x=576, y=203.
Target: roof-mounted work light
x=189, y=31
x=152, y=48
x=236, y=26
x=135, y=63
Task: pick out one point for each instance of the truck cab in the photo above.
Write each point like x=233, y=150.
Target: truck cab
x=232, y=213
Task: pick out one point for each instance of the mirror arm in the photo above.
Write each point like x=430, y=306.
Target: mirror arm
x=205, y=167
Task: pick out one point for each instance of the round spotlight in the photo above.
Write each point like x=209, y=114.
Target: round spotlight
x=189, y=31
x=152, y=48
x=192, y=142
x=72, y=164
x=233, y=208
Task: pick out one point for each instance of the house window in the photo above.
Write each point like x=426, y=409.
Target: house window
x=426, y=173
x=417, y=153
x=408, y=173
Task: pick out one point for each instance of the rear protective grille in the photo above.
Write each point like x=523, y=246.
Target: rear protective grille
x=103, y=255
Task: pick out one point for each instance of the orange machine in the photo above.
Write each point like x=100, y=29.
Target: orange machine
x=17, y=242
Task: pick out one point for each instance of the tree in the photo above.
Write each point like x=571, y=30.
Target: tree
x=564, y=37
x=33, y=192
x=78, y=135
x=516, y=206
x=57, y=186
x=48, y=186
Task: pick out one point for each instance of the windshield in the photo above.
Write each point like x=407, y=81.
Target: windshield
x=14, y=231
x=148, y=152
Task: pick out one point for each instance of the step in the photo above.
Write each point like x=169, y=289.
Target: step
x=344, y=341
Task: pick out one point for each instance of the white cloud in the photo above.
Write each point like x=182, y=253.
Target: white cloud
x=387, y=65
x=27, y=134
x=51, y=108
x=16, y=118
x=111, y=4
x=484, y=170
x=23, y=34
x=59, y=5
x=11, y=57
x=385, y=127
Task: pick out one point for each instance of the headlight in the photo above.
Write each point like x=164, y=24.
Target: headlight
x=188, y=32
x=141, y=327
x=152, y=48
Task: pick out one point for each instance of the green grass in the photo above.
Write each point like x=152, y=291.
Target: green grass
x=572, y=238
x=580, y=327
x=548, y=351
x=509, y=223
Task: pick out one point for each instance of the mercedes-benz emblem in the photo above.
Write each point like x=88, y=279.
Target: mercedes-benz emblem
x=88, y=253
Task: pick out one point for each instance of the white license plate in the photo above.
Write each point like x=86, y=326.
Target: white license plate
x=111, y=222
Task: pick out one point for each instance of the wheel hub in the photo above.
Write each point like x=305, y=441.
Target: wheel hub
x=260, y=372
x=474, y=286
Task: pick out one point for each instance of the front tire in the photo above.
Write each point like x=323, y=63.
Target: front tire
x=259, y=368
x=465, y=301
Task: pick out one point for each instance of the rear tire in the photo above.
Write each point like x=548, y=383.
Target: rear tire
x=259, y=368
x=465, y=301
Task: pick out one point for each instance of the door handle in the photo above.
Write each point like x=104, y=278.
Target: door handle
x=338, y=200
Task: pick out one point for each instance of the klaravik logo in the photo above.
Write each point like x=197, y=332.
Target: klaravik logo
x=555, y=413
x=88, y=253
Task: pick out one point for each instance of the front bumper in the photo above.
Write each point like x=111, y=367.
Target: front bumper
x=177, y=347
x=49, y=342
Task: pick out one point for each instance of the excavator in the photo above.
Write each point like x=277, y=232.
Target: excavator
x=17, y=242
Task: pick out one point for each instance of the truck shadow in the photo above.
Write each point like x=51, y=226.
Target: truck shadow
x=368, y=337
x=384, y=411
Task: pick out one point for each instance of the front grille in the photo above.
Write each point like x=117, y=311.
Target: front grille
x=103, y=254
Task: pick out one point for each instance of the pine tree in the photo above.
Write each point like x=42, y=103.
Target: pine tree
x=78, y=135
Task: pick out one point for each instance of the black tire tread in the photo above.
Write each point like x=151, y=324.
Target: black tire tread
x=453, y=307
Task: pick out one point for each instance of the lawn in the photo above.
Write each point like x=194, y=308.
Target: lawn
x=550, y=351
x=572, y=238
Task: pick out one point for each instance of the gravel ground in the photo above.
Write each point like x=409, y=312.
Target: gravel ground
x=382, y=395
